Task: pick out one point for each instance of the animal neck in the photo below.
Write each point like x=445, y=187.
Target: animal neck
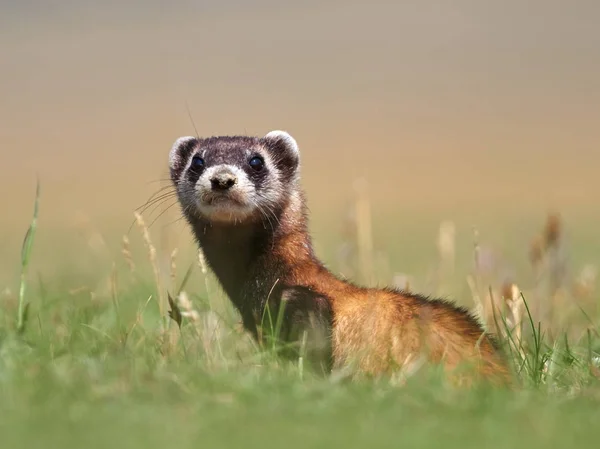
x=250, y=259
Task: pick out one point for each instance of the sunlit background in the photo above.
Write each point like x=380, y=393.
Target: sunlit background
x=485, y=113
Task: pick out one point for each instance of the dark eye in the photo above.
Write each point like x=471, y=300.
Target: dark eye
x=257, y=163
x=197, y=162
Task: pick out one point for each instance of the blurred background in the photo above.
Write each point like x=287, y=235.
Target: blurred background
x=482, y=113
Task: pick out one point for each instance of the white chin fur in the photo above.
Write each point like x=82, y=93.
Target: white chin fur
x=225, y=213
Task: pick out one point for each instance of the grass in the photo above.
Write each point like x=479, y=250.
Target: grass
x=107, y=368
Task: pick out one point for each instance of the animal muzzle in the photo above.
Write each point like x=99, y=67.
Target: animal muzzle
x=223, y=180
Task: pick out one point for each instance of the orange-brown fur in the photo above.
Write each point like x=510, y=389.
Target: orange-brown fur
x=262, y=262
x=380, y=330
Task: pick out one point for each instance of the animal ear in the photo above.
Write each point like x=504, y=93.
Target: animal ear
x=180, y=152
x=284, y=147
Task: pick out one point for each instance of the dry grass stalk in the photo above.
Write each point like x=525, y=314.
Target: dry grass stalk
x=202, y=262
x=162, y=307
x=139, y=316
x=552, y=230
x=173, y=276
x=479, y=308
x=514, y=300
x=536, y=253
x=211, y=335
x=550, y=269
x=93, y=237
x=494, y=311
x=127, y=255
x=496, y=307
x=382, y=271
x=584, y=285
x=402, y=281
x=207, y=326
x=187, y=308
x=483, y=307
x=204, y=270
x=447, y=245
x=476, y=250
x=411, y=366
x=114, y=286
x=347, y=252
x=364, y=231
x=101, y=260
x=78, y=290
x=502, y=312
x=212, y=329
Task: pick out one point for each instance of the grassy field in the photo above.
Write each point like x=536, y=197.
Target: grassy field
x=94, y=366
x=482, y=113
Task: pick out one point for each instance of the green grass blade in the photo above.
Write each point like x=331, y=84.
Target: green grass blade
x=25, y=257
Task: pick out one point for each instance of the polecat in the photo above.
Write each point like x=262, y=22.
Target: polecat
x=241, y=196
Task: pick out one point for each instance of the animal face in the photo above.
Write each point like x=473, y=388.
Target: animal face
x=231, y=179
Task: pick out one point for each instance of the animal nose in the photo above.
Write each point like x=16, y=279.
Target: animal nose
x=222, y=181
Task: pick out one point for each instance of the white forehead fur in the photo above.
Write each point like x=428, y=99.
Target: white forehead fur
x=290, y=142
x=174, y=153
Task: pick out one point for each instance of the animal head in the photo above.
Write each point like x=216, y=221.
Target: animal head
x=231, y=179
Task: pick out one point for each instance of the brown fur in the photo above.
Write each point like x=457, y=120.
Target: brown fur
x=382, y=329
x=376, y=331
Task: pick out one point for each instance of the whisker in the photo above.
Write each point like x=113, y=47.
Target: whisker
x=157, y=202
x=163, y=212
x=154, y=181
x=156, y=196
x=267, y=212
x=270, y=207
x=171, y=223
x=162, y=189
x=160, y=203
x=191, y=119
x=263, y=213
x=154, y=200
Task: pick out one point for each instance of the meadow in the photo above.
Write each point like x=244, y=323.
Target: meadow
x=475, y=125
x=147, y=352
